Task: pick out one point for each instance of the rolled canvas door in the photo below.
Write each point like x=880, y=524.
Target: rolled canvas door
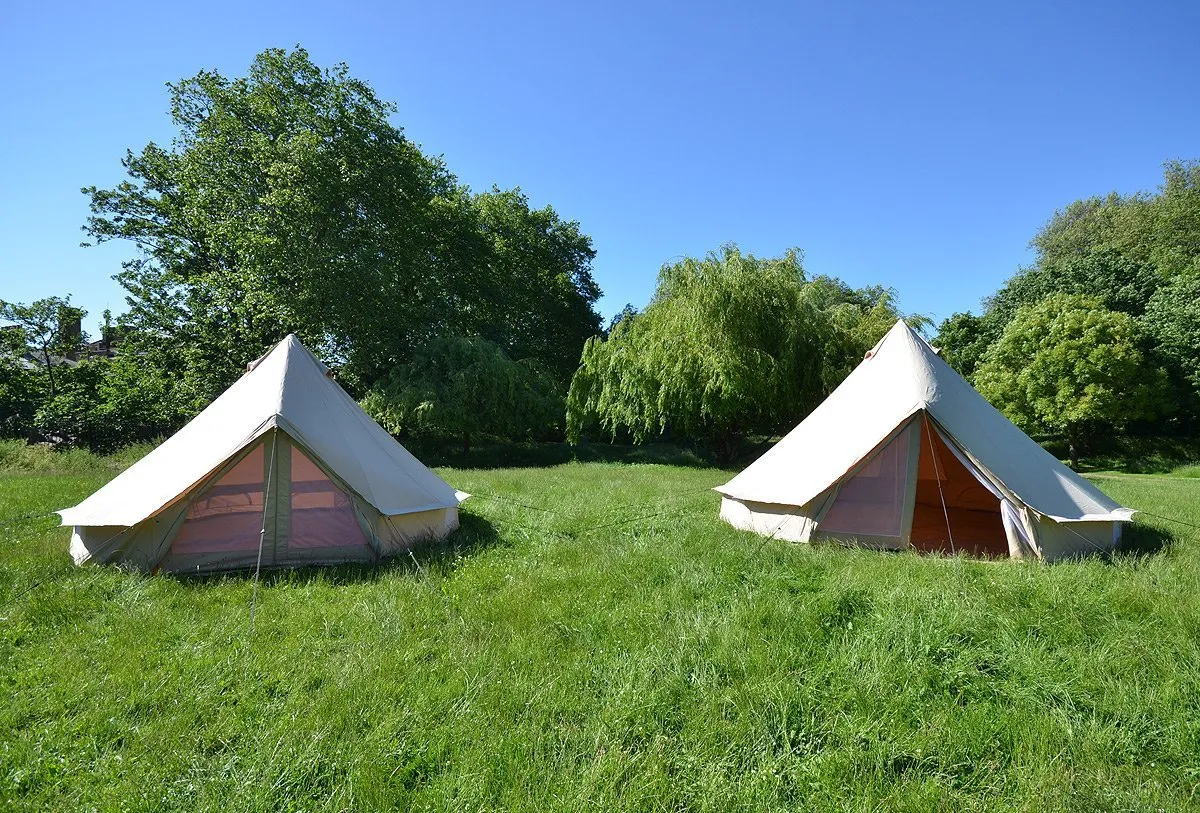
x=1020, y=543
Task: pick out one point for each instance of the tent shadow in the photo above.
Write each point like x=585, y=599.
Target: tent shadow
x=546, y=455
x=474, y=535
x=1143, y=541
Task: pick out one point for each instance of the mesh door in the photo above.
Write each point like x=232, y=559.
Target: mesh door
x=223, y=525
x=871, y=502
x=322, y=524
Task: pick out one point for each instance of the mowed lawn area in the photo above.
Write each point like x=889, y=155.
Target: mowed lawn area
x=596, y=639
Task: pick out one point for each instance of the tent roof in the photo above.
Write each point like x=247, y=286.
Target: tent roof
x=901, y=376
x=291, y=389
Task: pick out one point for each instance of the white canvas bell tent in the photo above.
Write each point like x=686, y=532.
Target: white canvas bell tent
x=283, y=469
x=905, y=453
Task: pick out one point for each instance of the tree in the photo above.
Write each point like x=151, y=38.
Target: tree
x=963, y=339
x=74, y=414
x=20, y=394
x=627, y=312
x=1121, y=283
x=1172, y=320
x=49, y=325
x=1175, y=248
x=1068, y=365
x=466, y=388
x=538, y=300
x=1121, y=249
x=729, y=344
x=288, y=202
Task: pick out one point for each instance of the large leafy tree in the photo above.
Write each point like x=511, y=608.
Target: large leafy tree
x=46, y=328
x=1124, y=250
x=467, y=388
x=289, y=202
x=1172, y=320
x=963, y=339
x=20, y=390
x=1069, y=365
x=729, y=344
x=536, y=297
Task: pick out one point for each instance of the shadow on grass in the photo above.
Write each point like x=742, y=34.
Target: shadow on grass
x=474, y=535
x=1140, y=541
x=1140, y=455
x=545, y=455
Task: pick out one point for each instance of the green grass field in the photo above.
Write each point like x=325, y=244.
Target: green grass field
x=622, y=650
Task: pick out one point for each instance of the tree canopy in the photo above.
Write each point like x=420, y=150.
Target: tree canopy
x=1069, y=365
x=1134, y=254
x=289, y=202
x=729, y=344
x=466, y=388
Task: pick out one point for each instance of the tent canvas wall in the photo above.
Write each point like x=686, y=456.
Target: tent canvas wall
x=283, y=469
x=905, y=453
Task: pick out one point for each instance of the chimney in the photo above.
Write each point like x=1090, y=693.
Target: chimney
x=70, y=329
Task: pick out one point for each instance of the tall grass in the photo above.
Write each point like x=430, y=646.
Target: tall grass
x=19, y=457
x=595, y=638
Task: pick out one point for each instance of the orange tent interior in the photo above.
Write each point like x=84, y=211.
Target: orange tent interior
x=974, y=513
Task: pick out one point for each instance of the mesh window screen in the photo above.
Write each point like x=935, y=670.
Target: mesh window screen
x=871, y=503
x=228, y=516
x=322, y=515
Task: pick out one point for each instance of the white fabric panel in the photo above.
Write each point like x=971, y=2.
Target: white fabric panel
x=775, y=521
x=94, y=544
x=290, y=388
x=397, y=534
x=1069, y=540
x=901, y=376
x=140, y=547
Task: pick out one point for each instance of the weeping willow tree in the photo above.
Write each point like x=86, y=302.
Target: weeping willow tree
x=730, y=344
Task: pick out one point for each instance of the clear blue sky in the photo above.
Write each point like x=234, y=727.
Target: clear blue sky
x=914, y=145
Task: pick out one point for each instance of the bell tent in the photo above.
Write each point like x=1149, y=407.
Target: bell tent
x=283, y=469
x=905, y=453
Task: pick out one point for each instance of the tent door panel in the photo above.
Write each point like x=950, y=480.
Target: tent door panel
x=322, y=524
x=223, y=524
x=946, y=489
x=871, y=505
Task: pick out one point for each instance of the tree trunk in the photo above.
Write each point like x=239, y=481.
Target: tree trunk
x=1073, y=445
x=725, y=447
x=49, y=369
